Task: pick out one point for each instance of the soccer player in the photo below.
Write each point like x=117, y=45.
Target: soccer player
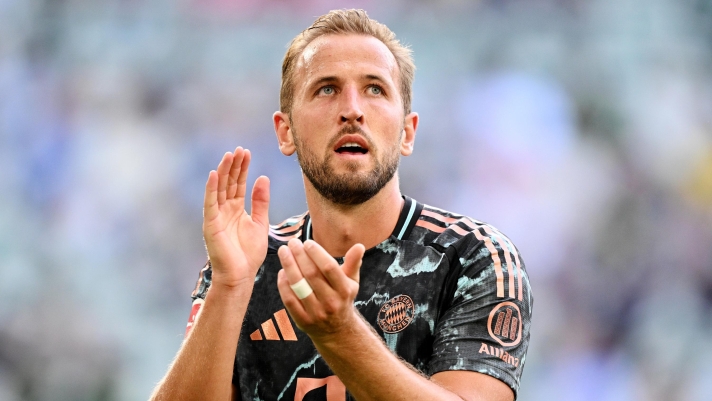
x=369, y=294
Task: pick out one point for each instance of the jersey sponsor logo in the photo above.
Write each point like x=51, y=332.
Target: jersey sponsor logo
x=194, y=311
x=499, y=353
x=335, y=389
x=270, y=331
x=505, y=324
x=396, y=314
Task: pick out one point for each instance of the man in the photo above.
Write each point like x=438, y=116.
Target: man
x=449, y=295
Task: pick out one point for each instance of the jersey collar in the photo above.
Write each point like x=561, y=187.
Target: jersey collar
x=406, y=221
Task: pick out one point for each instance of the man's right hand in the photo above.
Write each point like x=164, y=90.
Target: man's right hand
x=236, y=241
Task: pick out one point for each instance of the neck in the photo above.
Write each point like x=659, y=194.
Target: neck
x=337, y=227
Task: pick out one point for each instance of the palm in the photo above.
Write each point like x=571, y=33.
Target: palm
x=236, y=241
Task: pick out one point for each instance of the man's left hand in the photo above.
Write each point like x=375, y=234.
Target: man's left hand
x=329, y=310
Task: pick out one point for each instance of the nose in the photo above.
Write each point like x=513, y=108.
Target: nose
x=351, y=107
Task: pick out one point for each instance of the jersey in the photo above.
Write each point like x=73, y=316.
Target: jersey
x=445, y=292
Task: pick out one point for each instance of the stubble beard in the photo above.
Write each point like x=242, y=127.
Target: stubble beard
x=350, y=188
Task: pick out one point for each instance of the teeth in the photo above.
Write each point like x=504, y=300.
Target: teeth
x=350, y=145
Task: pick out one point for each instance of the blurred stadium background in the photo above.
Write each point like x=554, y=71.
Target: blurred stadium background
x=582, y=129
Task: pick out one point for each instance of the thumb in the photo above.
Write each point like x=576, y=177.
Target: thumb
x=260, y=201
x=352, y=262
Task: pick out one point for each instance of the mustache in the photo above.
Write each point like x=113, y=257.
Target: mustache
x=348, y=130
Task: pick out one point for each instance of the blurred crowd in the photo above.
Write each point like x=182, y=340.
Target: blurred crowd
x=582, y=129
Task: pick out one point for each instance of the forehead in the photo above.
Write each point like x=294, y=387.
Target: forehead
x=335, y=53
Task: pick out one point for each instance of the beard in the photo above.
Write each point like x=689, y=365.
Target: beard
x=351, y=188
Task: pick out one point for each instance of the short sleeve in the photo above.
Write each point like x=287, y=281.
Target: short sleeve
x=198, y=295
x=204, y=280
x=484, y=326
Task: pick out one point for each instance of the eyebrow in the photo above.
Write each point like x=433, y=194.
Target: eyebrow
x=375, y=77
x=332, y=78
x=323, y=80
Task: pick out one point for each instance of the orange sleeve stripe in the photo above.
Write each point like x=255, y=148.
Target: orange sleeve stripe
x=507, y=257
x=511, y=256
x=430, y=226
x=438, y=216
x=495, y=259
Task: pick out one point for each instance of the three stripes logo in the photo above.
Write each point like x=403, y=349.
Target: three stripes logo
x=505, y=324
x=396, y=314
x=270, y=331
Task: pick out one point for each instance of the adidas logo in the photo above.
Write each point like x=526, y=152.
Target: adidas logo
x=270, y=331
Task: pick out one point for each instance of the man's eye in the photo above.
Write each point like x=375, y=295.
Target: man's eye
x=327, y=90
x=375, y=90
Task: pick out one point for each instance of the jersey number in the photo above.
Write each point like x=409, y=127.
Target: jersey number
x=335, y=389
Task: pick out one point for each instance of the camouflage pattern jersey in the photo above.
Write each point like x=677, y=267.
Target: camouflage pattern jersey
x=445, y=292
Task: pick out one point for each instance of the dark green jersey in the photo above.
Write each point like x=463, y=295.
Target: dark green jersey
x=445, y=292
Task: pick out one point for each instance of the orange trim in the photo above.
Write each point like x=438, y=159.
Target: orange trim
x=270, y=330
x=507, y=258
x=438, y=216
x=513, y=332
x=285, y=326
x=498, y=325
x=517, y=263
x=450, y=221
x=285, y=238
x=495, y=259
x=519, y=271
x=518, y=327
x=494, y=232
x=295, y=219
x=256, y=335
x=458, y=229
x=511, y=256
x=507, y=320
x=288, y=228
x=335, y=389
x=430, y=226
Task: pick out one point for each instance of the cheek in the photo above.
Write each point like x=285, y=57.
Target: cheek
x=387, y=114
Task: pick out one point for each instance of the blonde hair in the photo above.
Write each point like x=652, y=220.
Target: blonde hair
x=346, y=22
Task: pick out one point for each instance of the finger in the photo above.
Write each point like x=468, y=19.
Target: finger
x=242, y=177
x=293, y=271
x=210, y=202
x=327, y=265
x=260, y=201
x=309, y=270
x=238, y=155
x=352, y=262
x=325, y=295
x=223, y=172
x=289, y=298
x=289, y=264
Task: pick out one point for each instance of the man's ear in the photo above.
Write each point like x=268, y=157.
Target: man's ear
x=283, y=130
x=408, y=138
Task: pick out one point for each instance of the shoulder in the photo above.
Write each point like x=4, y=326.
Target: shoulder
x=441, y=228
x=483, y=252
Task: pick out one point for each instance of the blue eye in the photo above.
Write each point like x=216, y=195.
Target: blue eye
x=327, y=90
x=375, y=90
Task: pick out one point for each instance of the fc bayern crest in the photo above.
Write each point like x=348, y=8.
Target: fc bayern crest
x=396, y=314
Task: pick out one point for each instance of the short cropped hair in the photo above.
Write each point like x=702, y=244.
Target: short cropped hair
x=346, y=22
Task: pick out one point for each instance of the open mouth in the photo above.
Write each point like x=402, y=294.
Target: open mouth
x=351, y=148
x=351, y=145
